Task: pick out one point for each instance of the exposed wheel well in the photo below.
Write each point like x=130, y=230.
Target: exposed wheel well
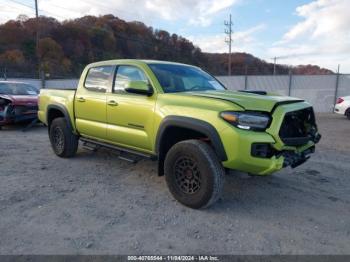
x=173, y=135
x=52, y=114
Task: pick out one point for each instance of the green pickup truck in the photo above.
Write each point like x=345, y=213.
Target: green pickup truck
x=182, y=117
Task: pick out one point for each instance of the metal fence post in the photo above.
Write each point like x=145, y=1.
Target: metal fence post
x=42, y=75
x=336, y=88
x=246, y=78
x=5, y=73
x=290, y=83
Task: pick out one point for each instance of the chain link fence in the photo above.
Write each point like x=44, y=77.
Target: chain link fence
x=320, y=90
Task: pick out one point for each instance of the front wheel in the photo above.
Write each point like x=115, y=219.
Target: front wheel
x=194, y=174
x=347, y=113
x=64, y=143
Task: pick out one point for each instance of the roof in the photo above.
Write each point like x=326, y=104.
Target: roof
x=136, y=61
x=163, y=62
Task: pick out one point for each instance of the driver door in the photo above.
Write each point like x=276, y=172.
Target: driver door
x=130, y=116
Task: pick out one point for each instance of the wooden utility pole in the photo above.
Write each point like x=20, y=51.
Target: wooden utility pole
x=228, y=40
x=37, y=36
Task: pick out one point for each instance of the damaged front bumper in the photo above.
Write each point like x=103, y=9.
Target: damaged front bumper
x=11, y=114
x=298, y=157
x=263, y=153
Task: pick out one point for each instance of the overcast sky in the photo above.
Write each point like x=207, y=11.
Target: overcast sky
x=298, y=31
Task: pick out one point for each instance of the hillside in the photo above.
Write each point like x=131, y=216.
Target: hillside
x=66, y=47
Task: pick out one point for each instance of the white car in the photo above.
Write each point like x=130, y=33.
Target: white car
x=342, y=106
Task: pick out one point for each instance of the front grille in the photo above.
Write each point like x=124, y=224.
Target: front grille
x=298, y=127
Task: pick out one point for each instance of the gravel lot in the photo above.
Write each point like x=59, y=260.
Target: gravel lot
x=99, y=204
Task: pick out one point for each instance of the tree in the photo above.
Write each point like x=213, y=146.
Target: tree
x=52, y=57
x=67, y=47
x=12, y=58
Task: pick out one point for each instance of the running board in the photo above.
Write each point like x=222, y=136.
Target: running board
x=117, y=148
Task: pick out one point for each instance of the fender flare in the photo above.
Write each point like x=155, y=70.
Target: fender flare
x=63, y=110
x=193, y=124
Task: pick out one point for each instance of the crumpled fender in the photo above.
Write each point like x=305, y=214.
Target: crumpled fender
x=6, y=97
x=20, y=100
x=9, y=112
x=5, y=101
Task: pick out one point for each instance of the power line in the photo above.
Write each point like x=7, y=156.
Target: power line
x=64, y=8
x=107, y=7
x=33, y=8
x=275, y=61
x=229, y=40
x=17, y=8
x=19, y=3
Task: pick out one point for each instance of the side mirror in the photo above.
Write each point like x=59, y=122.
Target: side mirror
x=139, y=87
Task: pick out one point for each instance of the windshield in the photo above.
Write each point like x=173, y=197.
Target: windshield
x=17, y=89
x=182, y=78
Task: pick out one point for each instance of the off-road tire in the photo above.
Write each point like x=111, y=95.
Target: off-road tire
x=196, y=158
x=63, y=142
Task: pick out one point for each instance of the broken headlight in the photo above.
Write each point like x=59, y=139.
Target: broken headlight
x=256, y=121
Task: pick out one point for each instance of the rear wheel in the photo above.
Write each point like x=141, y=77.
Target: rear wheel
x=194, y=174
x=64, y=143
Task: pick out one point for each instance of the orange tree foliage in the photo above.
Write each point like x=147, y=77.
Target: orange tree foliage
x=66, y=47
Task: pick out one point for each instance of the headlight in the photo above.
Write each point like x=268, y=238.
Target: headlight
x=247, y=120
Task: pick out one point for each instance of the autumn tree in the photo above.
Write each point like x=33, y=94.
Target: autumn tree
x=67, y=47
x=12, y=57
x=52, y=57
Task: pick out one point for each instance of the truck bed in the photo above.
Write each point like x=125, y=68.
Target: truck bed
x=56, y=97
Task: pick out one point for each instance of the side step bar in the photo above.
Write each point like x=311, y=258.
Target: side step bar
x=89, y=143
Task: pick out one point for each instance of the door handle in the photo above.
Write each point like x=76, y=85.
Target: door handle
x=112, y=103
x=81, y=99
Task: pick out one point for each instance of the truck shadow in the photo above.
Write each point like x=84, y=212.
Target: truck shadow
x=21, y=127
x=290, y=189
x=297, y=188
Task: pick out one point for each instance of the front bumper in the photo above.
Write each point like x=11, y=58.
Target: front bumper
x=240, y=144
x=339, y=109
x=11, y=114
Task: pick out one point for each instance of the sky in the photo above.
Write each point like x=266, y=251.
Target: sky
x=295, y=31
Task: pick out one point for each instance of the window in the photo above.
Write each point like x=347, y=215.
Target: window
x=17, y=89
x=126, y=74
x=98, y=78
x=181, y=78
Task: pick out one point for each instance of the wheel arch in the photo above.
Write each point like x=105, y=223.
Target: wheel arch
x=54, y=111
x=347, y=111
x=193, y=127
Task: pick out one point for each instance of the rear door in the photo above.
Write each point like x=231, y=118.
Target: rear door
x=130, y=116
x=90, y=102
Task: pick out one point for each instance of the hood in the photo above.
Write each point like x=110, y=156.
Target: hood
x=248, y=101
x=21, y=100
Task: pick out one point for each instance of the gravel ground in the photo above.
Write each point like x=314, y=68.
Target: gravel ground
x=98, y=204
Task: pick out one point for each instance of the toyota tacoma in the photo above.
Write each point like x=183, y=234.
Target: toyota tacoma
x=182, y=117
